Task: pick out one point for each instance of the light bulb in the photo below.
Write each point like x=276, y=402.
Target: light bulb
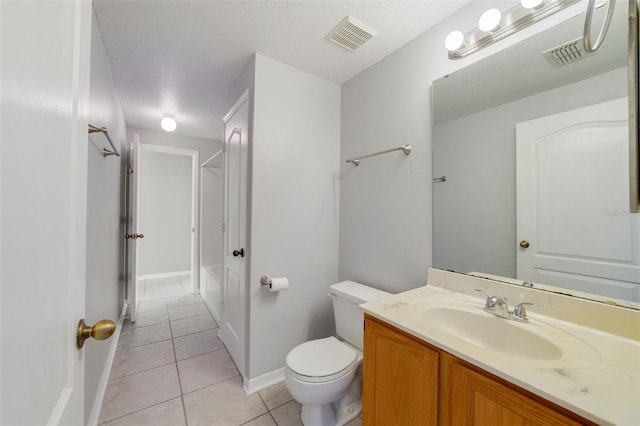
x=454, y=40
x=531, y=4
x=168, y=124
x=489, y=20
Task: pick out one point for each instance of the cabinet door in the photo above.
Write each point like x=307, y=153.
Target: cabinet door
x=400, y=378
x=475, y=399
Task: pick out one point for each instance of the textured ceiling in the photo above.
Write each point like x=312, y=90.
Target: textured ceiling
x=179, y=57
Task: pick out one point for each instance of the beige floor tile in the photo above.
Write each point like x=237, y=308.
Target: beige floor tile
x=192, y=325
x=355, y=422
x=205, y=370
x=187, y=299
x=288, y=414
x=144, y=335
x=188, y=311
x=223, y=404
x=275, y=396
x=140, y=358
x=152, y=305
x=185, y=280
x=160, y=288
x=144, y=319
x=133, y=393
x=168, y=413
x=197, y=344
x=264, y=420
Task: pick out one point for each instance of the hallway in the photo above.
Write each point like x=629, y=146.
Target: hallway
x=171, y=369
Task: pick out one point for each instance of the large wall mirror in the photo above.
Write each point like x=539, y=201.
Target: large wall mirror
x=535, y=153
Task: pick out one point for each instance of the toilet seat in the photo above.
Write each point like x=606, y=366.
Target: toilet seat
x=321, y=360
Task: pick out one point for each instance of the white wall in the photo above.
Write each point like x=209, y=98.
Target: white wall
x=294, y=205
x=475, y=215
x=105, y=245
x=386, y=202
x=164, y=213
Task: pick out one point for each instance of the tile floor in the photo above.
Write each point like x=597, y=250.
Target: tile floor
x=171, y=369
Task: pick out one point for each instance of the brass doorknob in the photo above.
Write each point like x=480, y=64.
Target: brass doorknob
x=127, y=236
x=237, y=253
x=100, y=331
x=524, y=244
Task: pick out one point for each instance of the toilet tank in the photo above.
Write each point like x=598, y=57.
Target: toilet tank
x=346, y=296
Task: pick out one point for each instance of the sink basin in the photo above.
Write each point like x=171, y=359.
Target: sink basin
x=468, y=322
x=488, y=331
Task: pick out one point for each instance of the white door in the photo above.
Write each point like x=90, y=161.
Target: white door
x=44, y=142
x=572, y=202
x=131, y=233
x=232, y=332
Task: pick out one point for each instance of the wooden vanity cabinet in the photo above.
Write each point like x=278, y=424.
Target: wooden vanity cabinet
x=408, y=382
x=399, y=372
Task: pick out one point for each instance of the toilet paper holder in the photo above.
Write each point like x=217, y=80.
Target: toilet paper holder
x=265, y=281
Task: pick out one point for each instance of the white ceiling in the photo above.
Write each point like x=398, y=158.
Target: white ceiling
x=179, y=57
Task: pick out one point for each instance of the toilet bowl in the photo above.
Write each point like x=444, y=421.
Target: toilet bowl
x=325, y=375
x=318, y=375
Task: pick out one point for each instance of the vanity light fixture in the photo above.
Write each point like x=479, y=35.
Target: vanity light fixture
x=531, y=4
x=494, y=25
x=168, y=123
x=454, y=40
x=490, y=20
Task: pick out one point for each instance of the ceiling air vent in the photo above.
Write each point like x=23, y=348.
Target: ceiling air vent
x=351, y=34
x=566, y=53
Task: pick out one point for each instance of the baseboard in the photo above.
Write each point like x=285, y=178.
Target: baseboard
x=257, y=384
x=216, y=315
x=104, y=380
x=164, y=275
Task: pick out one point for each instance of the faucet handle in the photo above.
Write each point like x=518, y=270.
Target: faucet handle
x=492, y=301
x=520, y=313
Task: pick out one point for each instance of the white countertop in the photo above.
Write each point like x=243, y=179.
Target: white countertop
x=601, y=384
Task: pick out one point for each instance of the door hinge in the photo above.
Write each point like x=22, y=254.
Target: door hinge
x=224, y=227
x=224, y=147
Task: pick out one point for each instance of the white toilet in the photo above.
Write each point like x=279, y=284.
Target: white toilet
x=325, y=375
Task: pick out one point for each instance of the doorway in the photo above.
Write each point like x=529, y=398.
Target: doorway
x=167, y=245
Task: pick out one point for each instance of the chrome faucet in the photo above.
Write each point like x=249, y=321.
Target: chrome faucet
x=497, y=306
x=520, y=313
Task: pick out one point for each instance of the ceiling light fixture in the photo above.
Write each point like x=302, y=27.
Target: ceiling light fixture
x=168, y=123
x=494, y=25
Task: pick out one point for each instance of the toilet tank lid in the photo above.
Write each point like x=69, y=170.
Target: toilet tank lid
x=356, y=292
